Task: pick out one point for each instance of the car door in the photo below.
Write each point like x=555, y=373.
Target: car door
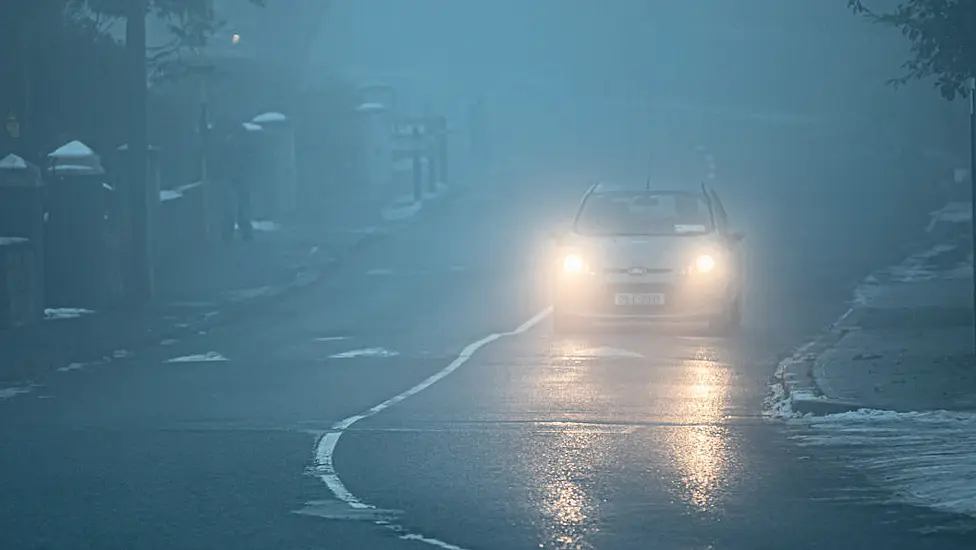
x=722, y=223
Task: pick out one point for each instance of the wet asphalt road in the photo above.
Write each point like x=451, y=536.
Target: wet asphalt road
x=632, y=439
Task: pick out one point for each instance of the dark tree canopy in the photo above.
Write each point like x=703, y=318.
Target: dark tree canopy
x=943, y=40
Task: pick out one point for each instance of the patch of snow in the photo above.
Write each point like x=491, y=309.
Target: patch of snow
x=953, y=212
x=72, y=150
x=71, y=367
x=400, y=213
x=107, y=187
x=252, y=127
x=916, y=268
x=269, y=117
x=169, y=195
x=604, y=352
x=331, y=338
x=9, y=393
x=266, y=226
x=956, y=217
x=7, y=241
x=65, y=313
x=371, y=108
x=247, y=294
x=209, y=357
x=365, y=352
x=13, y=162
x=121, y=354
x=75, y=169
x=921, y=458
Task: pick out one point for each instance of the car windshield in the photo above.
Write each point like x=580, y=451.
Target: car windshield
x=650, y=213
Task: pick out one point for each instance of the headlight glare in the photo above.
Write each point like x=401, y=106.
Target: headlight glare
x=704, y=263
x=573, y=263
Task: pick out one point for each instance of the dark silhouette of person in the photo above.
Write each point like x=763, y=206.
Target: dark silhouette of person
x=232, y=182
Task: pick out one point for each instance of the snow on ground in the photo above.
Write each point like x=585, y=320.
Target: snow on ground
x=65, y=313
x=953, y=212
x=921, y=458
x=365, y=352
x=209, y=357
x=402, y=210
x=166, y=195
x=71, y=367
x=266, y=226
x=8, y=393
x=916, y=268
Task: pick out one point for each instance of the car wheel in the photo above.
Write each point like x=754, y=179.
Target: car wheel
x=728, y=322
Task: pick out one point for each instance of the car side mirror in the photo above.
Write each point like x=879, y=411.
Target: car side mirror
x=737, y=237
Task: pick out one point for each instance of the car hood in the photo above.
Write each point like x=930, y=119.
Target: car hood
x=649, y=252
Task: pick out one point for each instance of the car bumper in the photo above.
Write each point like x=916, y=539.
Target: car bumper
x=683, y=301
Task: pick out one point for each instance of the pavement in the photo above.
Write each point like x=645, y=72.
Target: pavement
x=906, y=342
x=211, y=285
x=418, y=398
x=890, y=389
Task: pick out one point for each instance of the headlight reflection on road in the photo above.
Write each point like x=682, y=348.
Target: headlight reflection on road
x=568, y=458
x=700, y=446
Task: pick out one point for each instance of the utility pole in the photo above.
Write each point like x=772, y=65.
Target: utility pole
x=972, y=182
x=139, y=283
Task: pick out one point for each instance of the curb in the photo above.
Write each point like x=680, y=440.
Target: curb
x=796, y=375
x=235, y=310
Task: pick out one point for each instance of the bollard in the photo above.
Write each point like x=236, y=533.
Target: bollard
x=433, y=166
x=442, y=149
x=418, y=189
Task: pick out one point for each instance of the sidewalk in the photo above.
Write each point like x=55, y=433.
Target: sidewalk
x=906, y=344
x=206, y=288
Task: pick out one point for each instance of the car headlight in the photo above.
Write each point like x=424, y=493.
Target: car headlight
x=704, y=263
x=573, y=263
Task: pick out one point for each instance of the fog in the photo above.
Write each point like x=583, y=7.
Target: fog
x=583, y=79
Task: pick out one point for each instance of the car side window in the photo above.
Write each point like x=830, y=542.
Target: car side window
x=721, y=219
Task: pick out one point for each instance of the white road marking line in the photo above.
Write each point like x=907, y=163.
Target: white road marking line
x=325, y=448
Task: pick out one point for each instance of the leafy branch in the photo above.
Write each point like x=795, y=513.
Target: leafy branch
x=942, y=34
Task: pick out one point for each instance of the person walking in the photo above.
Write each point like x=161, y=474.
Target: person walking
x=233, y=184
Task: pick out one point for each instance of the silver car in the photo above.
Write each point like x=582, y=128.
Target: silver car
x=643, y=254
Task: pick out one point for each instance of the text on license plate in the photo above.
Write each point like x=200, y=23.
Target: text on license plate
x=644, y=299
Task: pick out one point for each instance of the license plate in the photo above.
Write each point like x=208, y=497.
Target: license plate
x=644, y=299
